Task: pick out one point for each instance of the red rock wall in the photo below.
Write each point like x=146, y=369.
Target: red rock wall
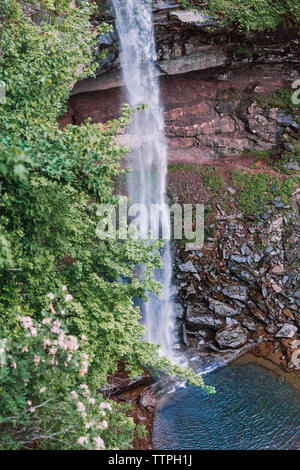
x=202, y=109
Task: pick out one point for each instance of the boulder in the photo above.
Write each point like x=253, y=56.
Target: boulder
x=287, y=331
x=193, y=17
x=236, y=292
x=242, y=274
x=231, y=321
x=264, y=128
x=295, y=356
x=147, y=401
x=197, y=320
x=206, y=57
x=249, y=324
x=257, y=312
x=221, y=309
x=292, y=165
x=164, y=5
x=187, y=267
x=231, y=337
x=105, y=39
x=282, y=118
x=276, y=288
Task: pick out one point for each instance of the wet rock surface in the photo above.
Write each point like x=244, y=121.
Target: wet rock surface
x=231, y=337
x=287, y=331
x=205, y=117
x=135, y=392
x=147, y=401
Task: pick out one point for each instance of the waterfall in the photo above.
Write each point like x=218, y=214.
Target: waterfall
x=148, y=160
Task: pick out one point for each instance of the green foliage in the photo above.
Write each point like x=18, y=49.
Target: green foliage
x=259, y=189
x=5, y=253
x=180, y=166
x=43, y=398
x=59, y=45
x=212, y=178
x=209, y=174
x=280, y=164
x=244, y=50
x=281, y=99
x=256, y=15
x=188, y=4
x=278, y=160
x=13, y=163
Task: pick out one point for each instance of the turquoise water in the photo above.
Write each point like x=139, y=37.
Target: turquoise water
x=252, y=409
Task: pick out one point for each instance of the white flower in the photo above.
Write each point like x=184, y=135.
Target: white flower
x=80, y=406
x=99, y=443
x=102, y=425
x=81, y=440
x=105, y=405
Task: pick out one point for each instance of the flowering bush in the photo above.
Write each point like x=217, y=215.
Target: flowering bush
x=43, y=398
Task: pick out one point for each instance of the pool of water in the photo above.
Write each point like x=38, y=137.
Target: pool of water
x=252, y=409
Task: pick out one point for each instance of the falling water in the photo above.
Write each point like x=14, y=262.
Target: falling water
x=148, y=159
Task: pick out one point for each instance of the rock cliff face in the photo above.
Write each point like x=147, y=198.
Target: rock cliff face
x=242, y=289
x=214, y=113
x=213, y=84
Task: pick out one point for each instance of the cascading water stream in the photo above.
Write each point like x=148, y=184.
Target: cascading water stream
x=148, y=159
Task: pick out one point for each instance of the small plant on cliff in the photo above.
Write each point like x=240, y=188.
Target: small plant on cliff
x=256, y=15
x=256, y=191
x=282, y=99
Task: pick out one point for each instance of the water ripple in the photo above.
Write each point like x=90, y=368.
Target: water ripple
x=252, y=409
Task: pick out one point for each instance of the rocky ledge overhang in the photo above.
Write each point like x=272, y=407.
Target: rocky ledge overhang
x=189, y=41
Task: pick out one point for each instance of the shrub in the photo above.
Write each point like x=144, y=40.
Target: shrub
x=43, y=398
x=259, y=189
x=256, y=15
